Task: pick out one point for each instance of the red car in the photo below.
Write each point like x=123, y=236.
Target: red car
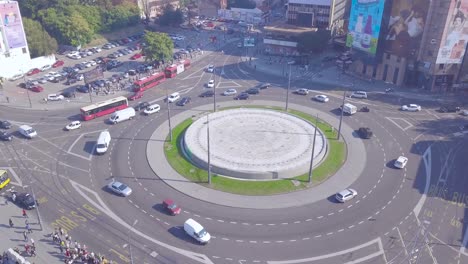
x=171, y=207
x=33, y=71
x=57, y=64
x=37, y=89
x=135, y=96
x=210, y=24
x=136, y=56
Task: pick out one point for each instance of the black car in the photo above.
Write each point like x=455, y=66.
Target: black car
x=83, y=89
x=141, y=106
x=449, y=109
x=365, y=132
x=5, y=124
x=5, y=136
x=263, y=85
x=208, y=93
x=25, y=200
x=242, y=96
x=253, y=91
x=69, y=94
x=71, y=81
x=184, y=101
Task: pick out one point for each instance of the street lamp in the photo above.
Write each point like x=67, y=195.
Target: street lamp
x=289, y=85
x=27, y=87
x=169, y=115
x=341, y=116
x=208, y=146
x=214, y=90
x=313, y=150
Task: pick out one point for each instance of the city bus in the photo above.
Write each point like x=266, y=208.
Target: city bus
x=171, y=71
x=145, y=83
x=178, y=68
x=103, y=108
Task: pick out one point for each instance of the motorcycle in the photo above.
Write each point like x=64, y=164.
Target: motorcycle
x=365, y=109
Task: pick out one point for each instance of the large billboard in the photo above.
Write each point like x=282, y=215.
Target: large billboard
x=405, y=27
x=12, y=25
x=364, y=25
x=455, y=36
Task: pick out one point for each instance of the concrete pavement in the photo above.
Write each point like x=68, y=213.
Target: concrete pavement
x=346, y=175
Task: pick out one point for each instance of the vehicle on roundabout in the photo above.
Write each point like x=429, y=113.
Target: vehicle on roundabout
x=242, y=96
x=184, y=101
x=4, y=179
x=301, y=91
x=5, y=136
x=253, y=91
x=73, y=125
x=230, y=92
x=195, y=230
x=5, y=124
x=262, y=86
x=346, y=195
x=210, y=68
x=171, y=207
x=411, y=108
x=24, y=200
x=210, y=84
x=364, y=109
x=141, y=106
x=359, y=94
x=321, y=98
x=120, y=188
x=173, y=97
x=449, y=109
x=401, y=162
x=365, y=132
x=208, y=93
x=151, y=109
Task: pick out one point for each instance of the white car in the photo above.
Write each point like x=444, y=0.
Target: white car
x=55, y=97
x=97, y=49
x=321, y=98
x=16, y=77
x=92, y=62
x=120, y=188
x=401, y=162
x=54, y=74
x=411, y=108
x=46, y=67
x=73, y=125
x=210, y=84
x=359, y=94
x=75, y=56
x=302, y=91
x=42, y=80
x=346, y=195
x=151, y=109
x=464, y=112
x=230, y=92
x=87, y=64
x=210, y=68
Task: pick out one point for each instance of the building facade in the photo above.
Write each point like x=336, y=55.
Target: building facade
x=339, y=17
x=309, y=13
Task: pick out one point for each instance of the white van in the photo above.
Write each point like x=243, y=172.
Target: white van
x=103, y=142
x=349, y=109
x=122, y=115
x=27, y=131
x=154, y=108
x=173, y=97
x=359, y=94
x=196, y=231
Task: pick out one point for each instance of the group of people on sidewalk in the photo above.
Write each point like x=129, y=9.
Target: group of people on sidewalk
x=74, y=252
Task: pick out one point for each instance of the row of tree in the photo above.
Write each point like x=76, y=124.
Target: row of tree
x=72, y=22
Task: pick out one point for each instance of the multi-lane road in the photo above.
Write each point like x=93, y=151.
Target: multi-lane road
x=415, y=215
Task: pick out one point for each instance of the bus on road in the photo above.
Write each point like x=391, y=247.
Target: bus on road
x=103, y=108
x=145, y=83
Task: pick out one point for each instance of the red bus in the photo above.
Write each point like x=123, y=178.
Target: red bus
x=145, y=83
x=103, y=108
x=171, y=71
x=186, y=64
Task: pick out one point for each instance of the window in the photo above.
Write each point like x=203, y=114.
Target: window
x=441, y=66
x=24, y=50
x=364, y=69
x=395, y=75
x=7, y=55
x=374, y=72
x=388, y=56
x=385, y=71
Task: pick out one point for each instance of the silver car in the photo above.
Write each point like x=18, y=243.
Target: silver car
x=346, y=195
x=120, y=188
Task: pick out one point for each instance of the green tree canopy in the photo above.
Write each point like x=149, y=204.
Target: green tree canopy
x=247, y=4
x=313, y=41
x=171, y=16
x=40, y=43
x=158, y=46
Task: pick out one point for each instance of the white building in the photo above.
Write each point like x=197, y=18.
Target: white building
x=309, y=13
x=253, y=16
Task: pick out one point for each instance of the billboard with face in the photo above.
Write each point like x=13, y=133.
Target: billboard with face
x=405, y=27
x=364, y=25
x=12, y=25
x=455, y=36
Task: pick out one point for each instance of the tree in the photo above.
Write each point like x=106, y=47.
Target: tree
x=247, y=4
x=40, y=43
x=313, y=41
x=171, y=16
x=158, y=46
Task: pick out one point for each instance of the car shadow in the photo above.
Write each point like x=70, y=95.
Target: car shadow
x=160, y=208
x=391, y=164
x=90, y=147
x=332, y=199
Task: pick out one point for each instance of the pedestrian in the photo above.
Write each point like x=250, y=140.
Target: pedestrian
x=26, y=248
x=26, y=222
x=24, y=213
x=29, y=229
x=61, y=249
x=32, y=242
x=76, y=244
x=61, y=231
x=25, y=235
x=10, y=222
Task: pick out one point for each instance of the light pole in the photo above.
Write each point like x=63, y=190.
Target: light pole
x=27, y=88
x=313, y=150
x=289, y=86
x=214, y=90
x=130, y=242
x=208, y=146
x=169, y=115
x=341, y=116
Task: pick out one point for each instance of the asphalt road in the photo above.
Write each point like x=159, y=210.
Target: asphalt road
x=387, y=223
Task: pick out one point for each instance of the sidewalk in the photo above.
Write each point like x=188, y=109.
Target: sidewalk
x=46, y=250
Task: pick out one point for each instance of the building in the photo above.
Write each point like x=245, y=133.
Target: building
x=154, y=7
x=252, y=16
x=339, y=17
x=309, y=13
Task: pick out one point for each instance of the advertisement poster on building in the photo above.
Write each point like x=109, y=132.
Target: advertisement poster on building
x=405, y=27
x=12, y=25
x=364, y=25
x=455, y=36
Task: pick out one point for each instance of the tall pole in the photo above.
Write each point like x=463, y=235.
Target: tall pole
x=214, y=90
x=27, y=88
x=208, y=146
x=169, y=116
x=289, y=86
x=341, y=116
x=39, y=219
x=313, y=150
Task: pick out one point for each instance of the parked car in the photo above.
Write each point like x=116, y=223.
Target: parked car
x=46, y=67
x=55, y=97
x=33, y=71
x=346, y=195
x=16, y=77
x=359, y=94
x=171, y=207
x=136, y=56
x=262, y=86
x=83, y=89
x=58, y=64
x=37, y=89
